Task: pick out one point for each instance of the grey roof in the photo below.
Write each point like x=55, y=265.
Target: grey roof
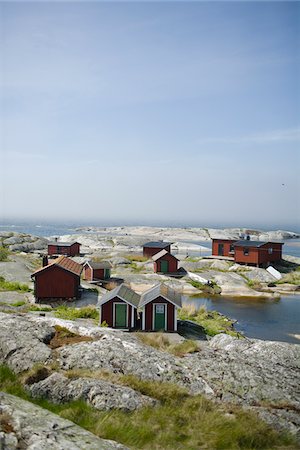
x=124, y=293
x=157, y=244
x=246, y=243
x=161, y=254
x=163, y=291
x=63, y=244
x=99, y=265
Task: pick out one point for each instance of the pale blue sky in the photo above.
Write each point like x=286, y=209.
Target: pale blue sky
x=150, y=112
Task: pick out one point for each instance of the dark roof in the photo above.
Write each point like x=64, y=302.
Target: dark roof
x=161, y=254
x=246, y=243
x=161, y=290
x=124, y=293
x=63, y=244
x=158, y=244
x=65, y=263
x=99, y=265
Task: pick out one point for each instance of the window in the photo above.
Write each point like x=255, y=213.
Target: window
x=231, y=248
x=246, y=251
x=270, y=250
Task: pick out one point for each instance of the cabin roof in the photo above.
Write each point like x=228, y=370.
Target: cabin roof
x=246, y=243
x=99, y=265
x=161, y=254
x=63, y=244
x=63, y=262
x=161, y=290
x=157, y=244
x=124, y=293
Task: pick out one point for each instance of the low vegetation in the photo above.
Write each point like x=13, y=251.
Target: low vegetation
x=13, y=286
x=161, y=342
x=212, y=288
x=212, y=321
x=136, y=258
x=4, y=253
x=71, y=313
x=291, y=278
x=63, y=336
x=136, y=268
x=180, y=421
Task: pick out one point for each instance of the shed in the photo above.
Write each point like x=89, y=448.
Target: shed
x=58, y=280
x=257, y=253
x=223, y=247
x=165, y=262
x=151, y=248
x=96, y=270
x=159, y=308
x=118, y=308
x=64, y=248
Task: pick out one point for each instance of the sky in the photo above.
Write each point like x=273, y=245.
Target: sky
x=164, y=113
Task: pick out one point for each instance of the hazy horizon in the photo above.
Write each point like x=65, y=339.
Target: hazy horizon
x=150, y=112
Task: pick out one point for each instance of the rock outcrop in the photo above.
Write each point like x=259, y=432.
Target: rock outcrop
x=100, y=394
x=27, y=426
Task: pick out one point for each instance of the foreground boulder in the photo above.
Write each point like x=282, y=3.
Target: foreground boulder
x=23, y=343
x=100, y=394
x=27, y=426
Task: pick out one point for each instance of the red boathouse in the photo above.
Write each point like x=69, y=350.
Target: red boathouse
x=159, y=308
x=151, y=248
x=257, y=253
x=118, y=308
x=58, y=280
x=165, y=262
x=64, y=248
x=96, y=270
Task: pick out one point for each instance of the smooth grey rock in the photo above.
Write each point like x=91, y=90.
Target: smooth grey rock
x=22, y=342
x=101, y=394
x=35, y=428
x=254, y=373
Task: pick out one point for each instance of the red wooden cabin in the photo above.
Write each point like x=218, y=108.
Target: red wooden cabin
x=165, y=262
x=159, y=308
x=257, y=253
x=118, y=308
x=96, y=270
x=64, y=248
x=151, y=248
x=58, y=280
x=223, y=247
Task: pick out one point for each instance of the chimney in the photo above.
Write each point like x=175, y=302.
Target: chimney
x=56, y=239
x=248, y=237
x=45, y=260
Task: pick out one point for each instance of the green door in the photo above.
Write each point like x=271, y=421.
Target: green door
x=106, y=273
x=120, y=315
x=164, y=266
x=159, y=317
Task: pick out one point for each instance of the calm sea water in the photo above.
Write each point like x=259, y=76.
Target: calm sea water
x=270, y=319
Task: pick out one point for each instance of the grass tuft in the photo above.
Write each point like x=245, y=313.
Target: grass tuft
x=161, y=342
x=13, y=286
x=70, y=313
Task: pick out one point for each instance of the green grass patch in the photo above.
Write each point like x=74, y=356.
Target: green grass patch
x=44, y=308
x=4, y=253
x=71, y=313
x=212, y=322
x=18, y=303
x=136, y=268
x=212, y=288
x=180, y=422
x=13, y=286
x=136, y=258
x=291, y=278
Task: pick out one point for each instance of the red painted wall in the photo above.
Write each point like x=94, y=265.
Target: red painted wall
x=226, y=243
x=72, y=250
x=56, y=283
x=88, y=275
x=107, y=312
x=260, y=255
x=150, y=251
x=149, y=314
x=173, y=263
